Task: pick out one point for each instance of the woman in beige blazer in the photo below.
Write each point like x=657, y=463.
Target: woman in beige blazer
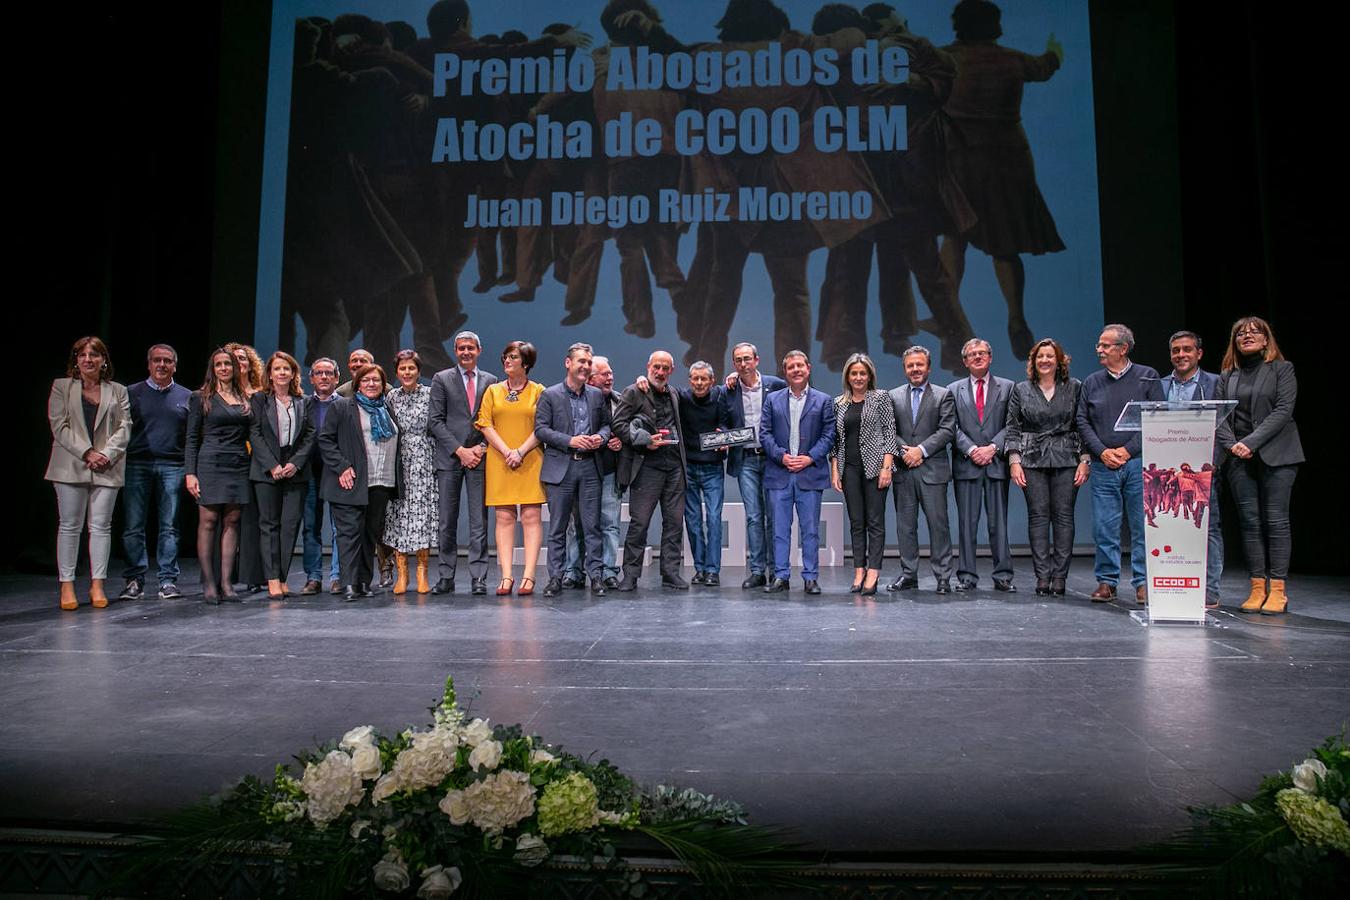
x=91, y=427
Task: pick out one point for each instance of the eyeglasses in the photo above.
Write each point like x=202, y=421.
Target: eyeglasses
x=975, y=354
x=1251, y=332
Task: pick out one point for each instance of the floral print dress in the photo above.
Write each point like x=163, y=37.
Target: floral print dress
x=410, y=524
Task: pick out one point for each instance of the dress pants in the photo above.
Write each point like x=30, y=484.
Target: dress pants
x=1261, y=495
x=653, y=486
x=280, y=505
x=449, y=482
x=991, y=495
x=807, y=505
x=359, y=529
x=75, y=503
x=911, y=494
x=1117, y=493
x=250, y=567
x=579, y=490
x=1050, y=498
x=609, y=530
x=866, y=505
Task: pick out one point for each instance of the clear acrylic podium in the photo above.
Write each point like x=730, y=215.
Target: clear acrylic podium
x=1178, y=442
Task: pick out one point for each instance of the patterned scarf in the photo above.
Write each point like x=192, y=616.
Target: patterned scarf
x=381, y=426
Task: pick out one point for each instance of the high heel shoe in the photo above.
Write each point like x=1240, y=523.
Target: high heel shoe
x=69, y=600
x=96, y=595
x=504, y=588
x=869, y=590
x=526, y=587
x=275, y=589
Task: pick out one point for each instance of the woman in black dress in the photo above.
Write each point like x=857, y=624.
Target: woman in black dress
x=862, y=464
x=1264, y=452
x=217, y=463
x=1046, y=460
x=282, y=438
x=250, y=567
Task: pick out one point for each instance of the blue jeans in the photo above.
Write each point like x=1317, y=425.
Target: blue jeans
x=1115, y=492
x=758, y=515
x=703, y=515
x=609, y=531
x=311, y=518
x=159, y=481
x=1214, y=557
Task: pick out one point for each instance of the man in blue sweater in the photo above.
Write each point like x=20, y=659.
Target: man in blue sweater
x=159, y=408
x=1117, y=479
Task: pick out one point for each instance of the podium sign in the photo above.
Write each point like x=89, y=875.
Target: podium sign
x=1178, y=441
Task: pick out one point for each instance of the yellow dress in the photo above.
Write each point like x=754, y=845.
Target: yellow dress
x=514, y=422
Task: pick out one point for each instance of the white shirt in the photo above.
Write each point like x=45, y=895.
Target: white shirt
x=796, y=405
x=752, y=405
x=381, y=456
x=287, y=423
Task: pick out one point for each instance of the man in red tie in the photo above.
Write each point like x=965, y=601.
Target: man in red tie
x=978, y=467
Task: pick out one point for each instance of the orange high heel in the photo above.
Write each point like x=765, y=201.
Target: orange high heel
x=504, y=588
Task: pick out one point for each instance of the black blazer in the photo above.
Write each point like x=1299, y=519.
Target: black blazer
x=1274, y=437
x=342, y=446
x=634, y=404
x=266, y=446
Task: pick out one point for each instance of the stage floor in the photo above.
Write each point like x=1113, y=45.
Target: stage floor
x=909, y=722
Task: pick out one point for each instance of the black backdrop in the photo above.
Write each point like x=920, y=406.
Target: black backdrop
x=1220, y=182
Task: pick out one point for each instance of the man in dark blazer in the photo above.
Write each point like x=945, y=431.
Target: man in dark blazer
x=925, y=421
x=652, y=469
x=1187, y=382
x=602, y=378
x=978, y=465
x=572, y=423
x=323, y=376
x=456, y=395
x=797, y=433
x=746, y=392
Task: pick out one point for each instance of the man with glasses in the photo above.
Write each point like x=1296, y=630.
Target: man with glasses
x=159, y=408
x=1116, y=482
x=978, y=466
x=1186, y=383
x=746, y=392
x=323, y=377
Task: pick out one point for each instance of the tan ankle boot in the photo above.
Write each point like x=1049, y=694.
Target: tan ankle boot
x=401, y=564
x=68, y=598
x=423, y=571
x=1257, y=597
x=96, y=595
x=1278, y=601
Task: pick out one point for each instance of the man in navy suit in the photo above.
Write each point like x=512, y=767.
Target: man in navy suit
x=1189, y=382
x=572, y=422
x=978, y=466
x=746, y=392
x=796, y=431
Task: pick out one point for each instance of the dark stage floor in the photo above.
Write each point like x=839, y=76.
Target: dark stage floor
x=906, y=723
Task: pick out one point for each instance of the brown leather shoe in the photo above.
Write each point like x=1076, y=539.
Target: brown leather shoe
x=1141, y=595
x=1104, y=593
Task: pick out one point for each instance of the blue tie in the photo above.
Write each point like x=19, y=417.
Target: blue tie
x=915, y=398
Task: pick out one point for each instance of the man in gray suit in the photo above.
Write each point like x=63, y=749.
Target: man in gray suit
x=925, y=419
x=456, y=395
x=572, y=422
x=978, y=464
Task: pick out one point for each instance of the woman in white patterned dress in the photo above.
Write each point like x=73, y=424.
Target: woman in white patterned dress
x=410, y=527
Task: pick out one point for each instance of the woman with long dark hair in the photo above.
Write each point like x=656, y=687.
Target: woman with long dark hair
x=1264, y=451
x=281, y=437
x=90, y=417
x=1046, y=459
x=216, y=462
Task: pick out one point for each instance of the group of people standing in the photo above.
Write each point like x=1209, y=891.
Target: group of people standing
x=392, y=464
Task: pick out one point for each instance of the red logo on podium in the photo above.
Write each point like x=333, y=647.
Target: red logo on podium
x=1176, y=582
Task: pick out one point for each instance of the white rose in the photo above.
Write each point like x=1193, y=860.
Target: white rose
x=391, y=874
x=530, y=850
x=356, y=737
x=476, y=732
x=366, y=761
x=330, y=786
x=486, y=755
x=1306, y=774
x=439, y=882
x=541, y=757
x=454, y=805
x=385, y=788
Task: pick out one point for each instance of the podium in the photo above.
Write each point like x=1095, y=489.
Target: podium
x=1178, y=442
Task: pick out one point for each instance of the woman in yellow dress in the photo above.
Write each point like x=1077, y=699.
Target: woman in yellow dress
x=506, y=418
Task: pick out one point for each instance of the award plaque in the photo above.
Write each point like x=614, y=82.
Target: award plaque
x=735, y=437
